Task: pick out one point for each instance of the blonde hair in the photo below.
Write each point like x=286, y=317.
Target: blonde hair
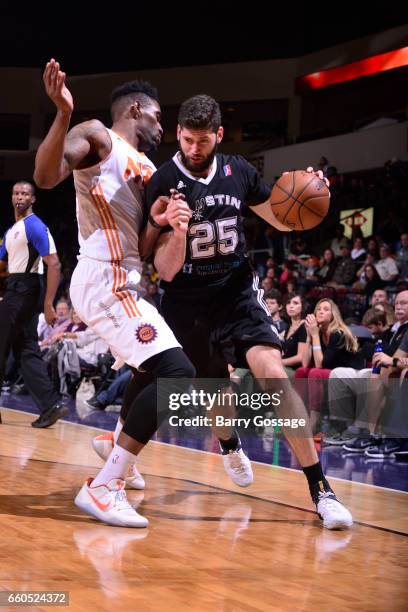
x=337, y=324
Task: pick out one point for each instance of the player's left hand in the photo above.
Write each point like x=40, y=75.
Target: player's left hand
x=178, y=212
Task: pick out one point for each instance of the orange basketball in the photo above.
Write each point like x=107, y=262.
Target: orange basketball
x=300, y=200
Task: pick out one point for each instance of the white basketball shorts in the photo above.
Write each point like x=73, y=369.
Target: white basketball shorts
x=132, y=327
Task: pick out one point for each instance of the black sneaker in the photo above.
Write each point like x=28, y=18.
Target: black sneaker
x=387, y=448
x=360, y=445
x=50, y=416
x=402, y=453
x=93, y=402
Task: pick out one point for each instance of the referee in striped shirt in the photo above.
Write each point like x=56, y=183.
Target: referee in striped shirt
x=25, y=245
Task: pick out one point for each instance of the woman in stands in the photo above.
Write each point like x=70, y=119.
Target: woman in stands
x=330, y=344
x=294, y=341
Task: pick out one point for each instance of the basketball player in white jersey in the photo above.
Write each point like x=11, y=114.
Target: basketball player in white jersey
x=110, y=171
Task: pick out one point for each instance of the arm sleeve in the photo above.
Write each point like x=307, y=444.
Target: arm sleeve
x=336, y=343
x=3, y=250
x=40, y=236
x=257, y=191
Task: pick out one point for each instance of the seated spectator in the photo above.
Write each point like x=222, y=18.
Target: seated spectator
x=273, y=301
x=330, y=344
x=377, y=324
x=294, y=340
x=380, y=303
x=46, y=332
x=402, y=256
x=114, y=391
x=75, y=325
x=339, y=241
x=286, y=274
x=326, y=268
x=368, y=261
x=386, y=266
x=344, y=271
x=373, y=248
x=372, y=281
x=358, y=251
x=348, y=400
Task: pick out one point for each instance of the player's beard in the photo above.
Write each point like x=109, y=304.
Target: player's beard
x=202, y=166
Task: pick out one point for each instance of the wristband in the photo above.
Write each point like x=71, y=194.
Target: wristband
x=317, y=347
x=395, y=361
x=154, y=224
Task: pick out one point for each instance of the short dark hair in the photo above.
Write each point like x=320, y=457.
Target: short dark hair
x=274, y=294
x=23, y=182
x=374, y=318
x=200, y=112
x=139, y=90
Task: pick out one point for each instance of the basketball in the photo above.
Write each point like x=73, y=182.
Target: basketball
x=300, y=200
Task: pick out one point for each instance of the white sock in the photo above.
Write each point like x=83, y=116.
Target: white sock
x=117, y=431
x=116, y=466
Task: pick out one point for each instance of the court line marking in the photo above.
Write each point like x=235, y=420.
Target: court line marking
x=228, y=491
x=198, y=450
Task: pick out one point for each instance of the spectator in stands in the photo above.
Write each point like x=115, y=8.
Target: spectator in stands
x=339, y=241
x=348, y=394
x=294, y=340
x=377, y=324
x=358, y=251
x=386, y=266
x=402, y=256
x=372, y=280
x=47, y=333
x=380, y=296
x=373, y=248
x=267, y=284
x=330, y=344
x=115, y=390
x=286, y=274
x=385, y=308
x=274, y=303
x=345, y=269
x=327, y=266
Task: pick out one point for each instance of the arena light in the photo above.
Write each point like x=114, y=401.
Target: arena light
x=354, y=70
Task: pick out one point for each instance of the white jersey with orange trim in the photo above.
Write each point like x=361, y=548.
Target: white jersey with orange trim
x=110, y=204
x=103, y=291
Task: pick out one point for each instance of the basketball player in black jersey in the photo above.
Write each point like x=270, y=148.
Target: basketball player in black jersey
x=212, y=300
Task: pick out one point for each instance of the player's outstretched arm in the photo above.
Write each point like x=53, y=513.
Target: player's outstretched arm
x=62, y=151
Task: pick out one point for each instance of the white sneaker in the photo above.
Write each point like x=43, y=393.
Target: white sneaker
x=103, y=445
x=333, y=514
x=109, y=504
x=238, y=467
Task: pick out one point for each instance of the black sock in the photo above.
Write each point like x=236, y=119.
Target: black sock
x=233, y=443
x=316, y=480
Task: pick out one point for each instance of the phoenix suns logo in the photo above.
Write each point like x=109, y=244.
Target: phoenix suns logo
x=146, y=333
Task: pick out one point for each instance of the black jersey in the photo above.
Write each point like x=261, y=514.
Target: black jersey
x=215, y=241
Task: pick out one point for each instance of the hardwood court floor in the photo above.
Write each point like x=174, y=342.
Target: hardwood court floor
x=209, y=547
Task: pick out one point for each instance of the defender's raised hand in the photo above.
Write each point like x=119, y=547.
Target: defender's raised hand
x=54, y=81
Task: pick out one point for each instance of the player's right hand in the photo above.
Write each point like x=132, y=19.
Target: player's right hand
x=54, y=81
x=178, y=212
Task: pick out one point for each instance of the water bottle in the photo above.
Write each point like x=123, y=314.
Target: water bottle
x=377, y=349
